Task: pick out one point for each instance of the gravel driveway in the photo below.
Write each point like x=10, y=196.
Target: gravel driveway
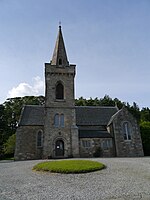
x=124, y=178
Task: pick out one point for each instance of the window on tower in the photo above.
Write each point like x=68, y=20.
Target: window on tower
x=62, y=120
x=59, y=120
x=59, y=91
x=56, y=120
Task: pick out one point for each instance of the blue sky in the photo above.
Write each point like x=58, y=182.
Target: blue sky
x=108, y=40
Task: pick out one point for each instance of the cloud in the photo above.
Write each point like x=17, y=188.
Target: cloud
x=25, y=89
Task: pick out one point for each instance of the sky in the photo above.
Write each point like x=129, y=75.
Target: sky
x=108, y=40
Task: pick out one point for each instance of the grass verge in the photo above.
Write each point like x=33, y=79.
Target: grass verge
x=69, y=166
x=7, y=158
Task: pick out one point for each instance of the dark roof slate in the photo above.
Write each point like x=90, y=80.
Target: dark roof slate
x=32, y=115
x=114, y=116
x=94, y=115
x=85, y=115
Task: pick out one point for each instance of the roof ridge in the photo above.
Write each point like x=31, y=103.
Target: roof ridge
x=33, y=105
x=95, y=107
x=113, y=117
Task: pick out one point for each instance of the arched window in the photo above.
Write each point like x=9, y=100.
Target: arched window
x=59, y=91
x=59, y=120
x=62, y=120
x=56, y=120
x=126, y=131
x=40, y=138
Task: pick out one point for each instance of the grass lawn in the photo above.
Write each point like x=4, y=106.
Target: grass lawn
x=7, y=158
x=69, y=166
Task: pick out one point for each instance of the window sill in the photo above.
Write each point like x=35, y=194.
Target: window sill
x=60, y=100
x=59, y=127
x=39, y=147
x=127, y=141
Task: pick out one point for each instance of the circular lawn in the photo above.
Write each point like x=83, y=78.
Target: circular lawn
x=69, y=166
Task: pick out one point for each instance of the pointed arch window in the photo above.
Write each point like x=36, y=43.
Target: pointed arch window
x=40, y=138
x=62, y=120
x=56, y=120
x=126, y=131
x=59, y=91
x=59, y=120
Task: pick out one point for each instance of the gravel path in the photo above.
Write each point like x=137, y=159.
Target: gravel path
x=123, y=179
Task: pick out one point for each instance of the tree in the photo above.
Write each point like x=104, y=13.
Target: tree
x=9, y=145
x=10, y=113
x=145, y=134
x=118, y=103
x=4, y=130
x=80, y=102
x=13, y=107
x=107, y=101
x=134, y=110
x=145, y=114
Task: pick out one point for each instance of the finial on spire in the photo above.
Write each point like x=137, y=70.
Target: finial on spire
x=59, y=24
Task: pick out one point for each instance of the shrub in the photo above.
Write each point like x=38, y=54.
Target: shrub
x=98, y=152
x=9, y=145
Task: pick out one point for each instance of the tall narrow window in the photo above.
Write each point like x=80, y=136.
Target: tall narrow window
x=106, y=144
x=59, y=91
x=39, y=138
x=59, y=120
x=86, y=143
x=60, y=61
x=126, y=131
x=62, y=120
x=56, y=120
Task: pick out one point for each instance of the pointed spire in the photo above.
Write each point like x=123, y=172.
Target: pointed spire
x=59, y=55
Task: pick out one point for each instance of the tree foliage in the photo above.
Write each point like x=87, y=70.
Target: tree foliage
x=105, y=101
x=145, y=114
x=9, y=145
x=145, y=134
x=10, y=113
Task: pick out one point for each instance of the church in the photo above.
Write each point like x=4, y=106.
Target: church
x=59, y=129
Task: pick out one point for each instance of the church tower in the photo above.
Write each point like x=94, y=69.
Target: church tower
x=60, y=130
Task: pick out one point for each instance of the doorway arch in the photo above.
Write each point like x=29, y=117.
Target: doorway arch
x=59, y=148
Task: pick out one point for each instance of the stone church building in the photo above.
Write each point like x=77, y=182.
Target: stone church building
x=59, y=129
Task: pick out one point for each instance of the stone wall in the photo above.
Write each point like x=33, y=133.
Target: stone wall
x=127, y=147
x=68, y=134
x=26, y=143
x=65, y=75
x=96, y=147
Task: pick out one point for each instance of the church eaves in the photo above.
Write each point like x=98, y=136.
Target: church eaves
x=59, y=55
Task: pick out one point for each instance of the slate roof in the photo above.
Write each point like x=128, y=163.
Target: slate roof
x=85, y=115
x=113, y=117
x=32, y=115
x=94, y=115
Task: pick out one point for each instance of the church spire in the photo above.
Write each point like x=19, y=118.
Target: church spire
x=59, y=55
